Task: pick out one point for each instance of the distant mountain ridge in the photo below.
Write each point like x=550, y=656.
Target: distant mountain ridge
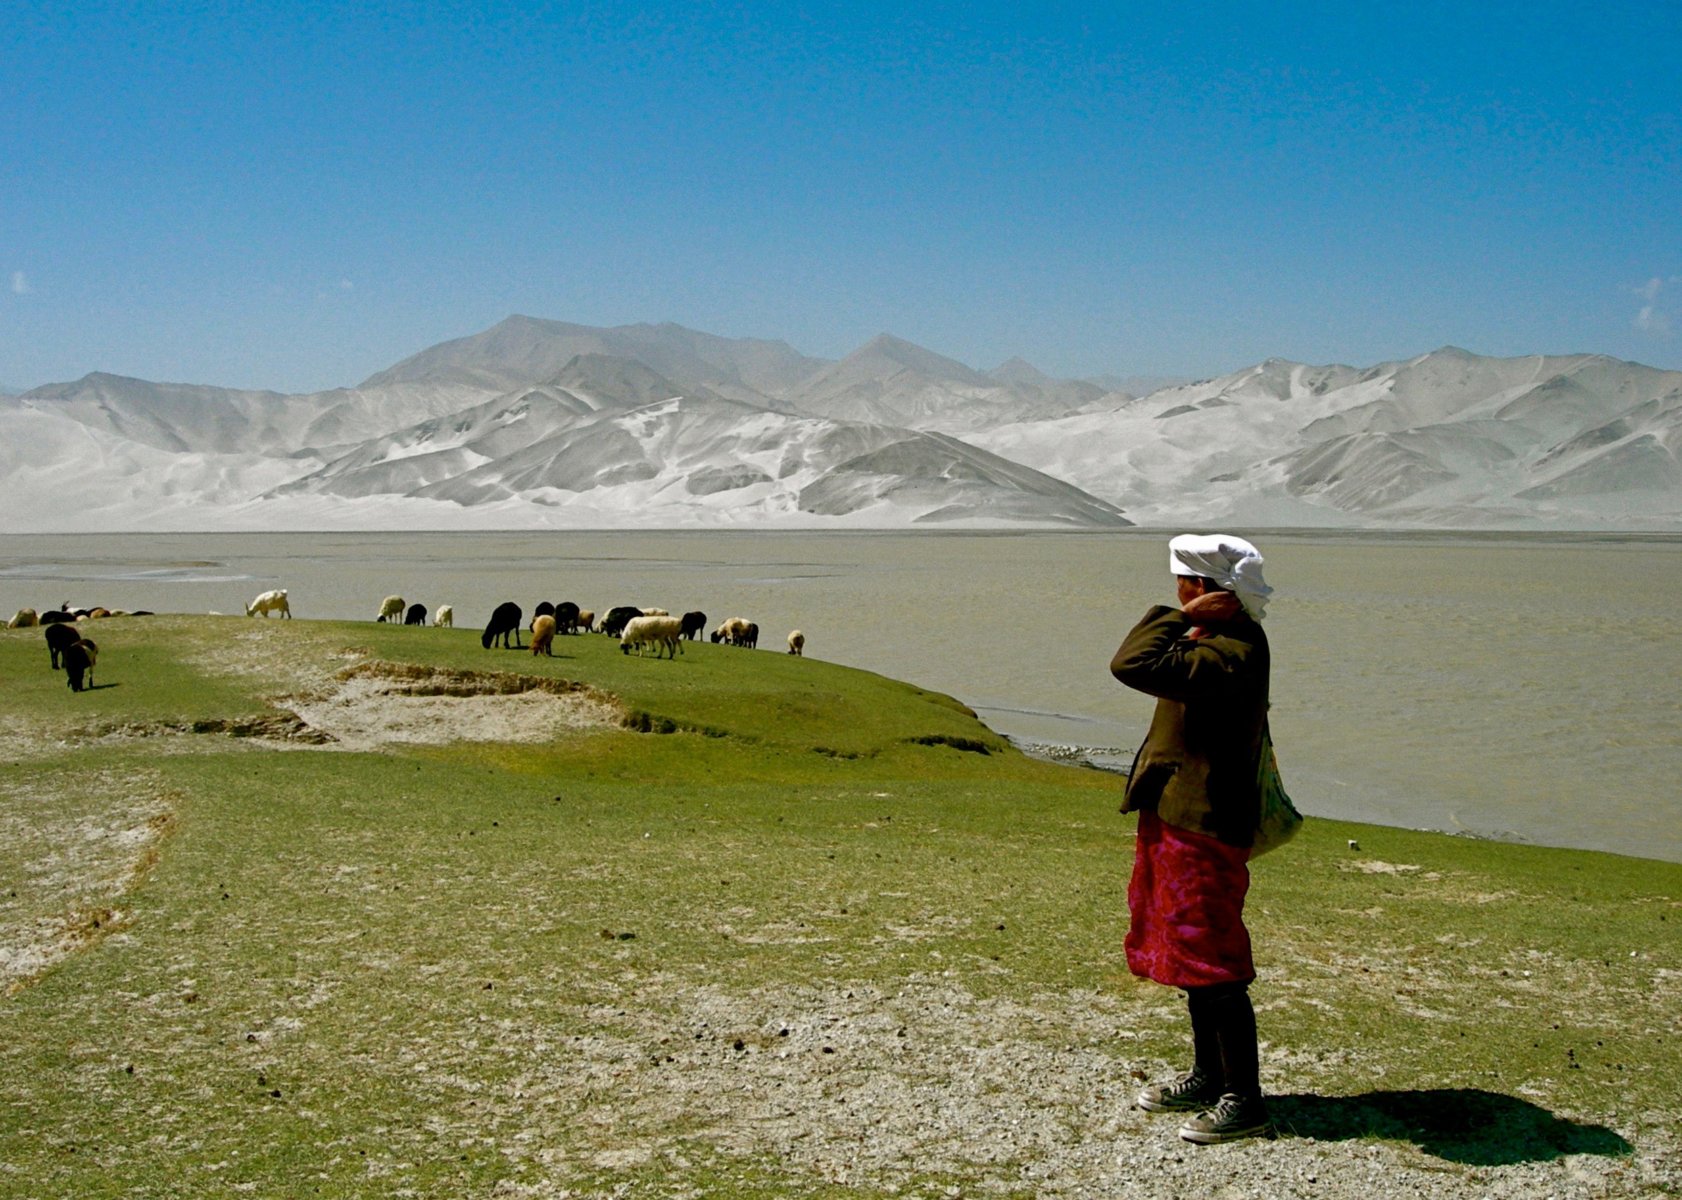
x=555, y=424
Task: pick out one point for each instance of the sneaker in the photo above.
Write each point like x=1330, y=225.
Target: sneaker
x=1232, y=1118
x=1192, y=1092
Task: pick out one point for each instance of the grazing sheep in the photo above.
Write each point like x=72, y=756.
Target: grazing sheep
x=659, y=632
x=587, y=620
x=504, y=623
x=391, y=609
x=445, y=617
x=655, y=612
x=731, y=630
x=693, y=624
x=57, y=616
x=269, y=602
x=750, y=637
x=543, y=635
x=79, y=657
x=543, y=609
x=24, y=618
x=716, y=636
x=797, y=644
x=566, y=617
x=416, y=615
x=61, y=635
x=614, y=623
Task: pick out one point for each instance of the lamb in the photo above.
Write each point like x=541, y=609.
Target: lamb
x=693, y=624
x=505, y=621
x=61, y=635
x=269, y=602
x=587, y=620
x=79, y=658
x=445, y=617
x=24, y=618
x=416, y=615
x=566, y=617
x=542, y=635
x=797, y=644
x=659, y=632
x=391, y=609
x=614, y=623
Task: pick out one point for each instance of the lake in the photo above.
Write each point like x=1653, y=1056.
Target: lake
x=1521, y=686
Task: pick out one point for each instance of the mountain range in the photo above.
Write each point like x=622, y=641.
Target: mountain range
x=549, y=424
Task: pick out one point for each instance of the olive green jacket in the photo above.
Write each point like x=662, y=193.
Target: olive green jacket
x=1198, y=765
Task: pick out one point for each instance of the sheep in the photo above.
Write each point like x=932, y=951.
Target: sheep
x=587, y=620
x=543, y=609
x=750, y=637
x=716, y=636
x=57, y=616
x=445, y=617
x=731, y=630
x=391, y=609
x=61, y=635
x=655, y=612
x=566, y=617
x=505, y=621
x=542, y=634
x=693, y=624
x=96, y=613
x=659, y=632
x=24, y=618
x=797, y=644
x=269, y=602
x=614, y=623
x=79, y=657
x=416, y=615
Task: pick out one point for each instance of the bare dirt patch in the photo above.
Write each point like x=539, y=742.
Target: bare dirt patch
x=378, y=704
x=72, y=849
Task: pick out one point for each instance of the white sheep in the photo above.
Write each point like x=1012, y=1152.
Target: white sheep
x=659, y=632
x=733, y=630
x=797, y=644
x=391, y=609
x=24, y=618
x=269, y=602
x=587, y=621
x=445, y=617
x=655, y=612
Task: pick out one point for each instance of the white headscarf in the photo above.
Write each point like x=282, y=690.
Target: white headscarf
x=1234, y=565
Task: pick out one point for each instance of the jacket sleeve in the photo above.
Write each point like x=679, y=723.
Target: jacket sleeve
x=1157, y=659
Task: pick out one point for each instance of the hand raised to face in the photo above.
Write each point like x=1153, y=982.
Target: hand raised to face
x=1213, y=606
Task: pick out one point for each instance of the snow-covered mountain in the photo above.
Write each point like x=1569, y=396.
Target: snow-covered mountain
x=1447, y=439
x=545, y=423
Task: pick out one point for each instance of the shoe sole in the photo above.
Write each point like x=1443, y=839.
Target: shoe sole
x=1151, y=1104
x=1208, y=1137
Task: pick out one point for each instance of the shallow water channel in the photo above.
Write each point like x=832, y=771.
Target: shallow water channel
x=1518, y=686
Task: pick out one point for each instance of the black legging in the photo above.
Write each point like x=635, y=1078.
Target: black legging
x=1223, y=1036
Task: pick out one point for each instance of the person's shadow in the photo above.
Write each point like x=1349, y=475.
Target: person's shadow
x=1462, y=1125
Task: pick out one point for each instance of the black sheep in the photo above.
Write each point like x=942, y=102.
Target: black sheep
x=505, y=621
x=416, y=615
x=60, y=637
x=693, y=624
x=614, y=623
x=566, y=617
x=79, y=658
x=543, y=609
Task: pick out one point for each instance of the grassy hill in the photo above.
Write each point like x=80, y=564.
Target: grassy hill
x=300, y=908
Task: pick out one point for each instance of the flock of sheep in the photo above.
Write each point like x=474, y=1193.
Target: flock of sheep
x=67, y=647
x=637, y=629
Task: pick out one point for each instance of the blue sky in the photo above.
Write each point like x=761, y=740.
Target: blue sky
x=296, y=196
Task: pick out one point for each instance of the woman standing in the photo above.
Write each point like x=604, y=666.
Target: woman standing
x=1193, y=785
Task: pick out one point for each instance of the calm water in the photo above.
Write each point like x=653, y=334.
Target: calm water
x=1510, y=686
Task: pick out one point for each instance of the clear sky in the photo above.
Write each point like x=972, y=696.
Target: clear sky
x=295, y=196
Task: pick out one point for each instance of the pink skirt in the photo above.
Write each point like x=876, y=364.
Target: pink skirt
x=1187, y=902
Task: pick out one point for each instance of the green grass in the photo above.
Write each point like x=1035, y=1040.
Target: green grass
x=441, y=969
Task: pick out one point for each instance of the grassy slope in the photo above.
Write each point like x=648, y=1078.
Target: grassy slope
x=372, y=971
